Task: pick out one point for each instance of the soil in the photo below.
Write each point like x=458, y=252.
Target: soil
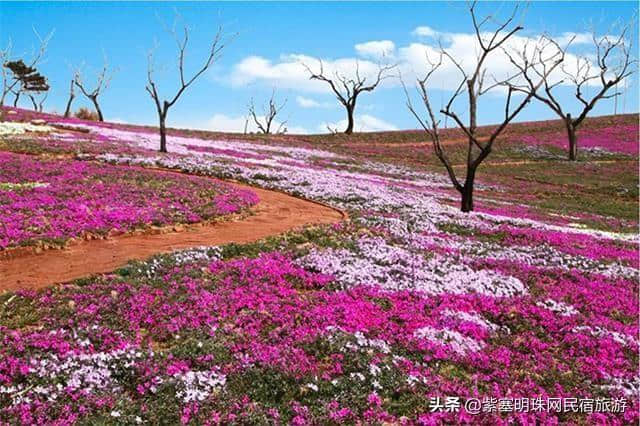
x=275, y=213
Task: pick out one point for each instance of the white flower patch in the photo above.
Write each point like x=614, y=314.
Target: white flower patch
x=197, y=254
x=415, y=380
x=150, y=267
x=179, y=144
x=181, y=257
x=476, y=319
x=340, y=188
x=577, y=225
x=598, y=151
x=598, y=331
x=361, y=342
x=89, y=372
x=541, y=255
x=629, y=387
x=16, y=128
x=396, y=268
x=198, y=385
x=312, y=386
x=560, y=308
x=457, y=342
x=86, y=371
x=8, y=186
x=280, y=156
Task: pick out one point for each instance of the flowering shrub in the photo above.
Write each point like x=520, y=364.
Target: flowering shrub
x=86, y=114
x=370, y=321
x=55, y=200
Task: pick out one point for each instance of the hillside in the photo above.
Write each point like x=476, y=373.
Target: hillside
x=379, y=316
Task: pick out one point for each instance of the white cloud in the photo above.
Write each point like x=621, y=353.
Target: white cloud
x=425, y=31
x=578, y=38
x=464, y=48
x=362, y=123
x=311, y=103
x=225, y=123
x=376, y=49
x=236, y=124
x=289, y=73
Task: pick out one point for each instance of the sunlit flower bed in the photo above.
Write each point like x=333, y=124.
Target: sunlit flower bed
x=401, y=316
x=618, y=139
x=53, y=200
x=17, y=128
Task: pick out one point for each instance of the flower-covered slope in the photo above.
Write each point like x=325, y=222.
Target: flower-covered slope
x=371, y=321
x=53, y=199
x=618, y=139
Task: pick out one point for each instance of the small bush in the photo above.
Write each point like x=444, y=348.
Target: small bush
x=86, y=114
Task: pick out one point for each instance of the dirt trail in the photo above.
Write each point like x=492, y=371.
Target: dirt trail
x=275, y=213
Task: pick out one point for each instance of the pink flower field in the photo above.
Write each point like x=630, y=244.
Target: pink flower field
x=54, y=200
x=619, y=139
x=410, y=312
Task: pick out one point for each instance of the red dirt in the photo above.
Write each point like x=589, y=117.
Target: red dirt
x=275, y=213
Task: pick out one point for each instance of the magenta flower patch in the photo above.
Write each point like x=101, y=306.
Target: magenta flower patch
x=60, y=199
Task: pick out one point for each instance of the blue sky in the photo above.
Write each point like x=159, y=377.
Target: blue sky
x=272, y=38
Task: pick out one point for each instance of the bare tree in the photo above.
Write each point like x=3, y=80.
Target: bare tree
x=13, y=85
x=348, y=89
x=72, y=95
x=332, y=130
x=162, y=106
x=613, y=64
x=269, y=114
x=474, y=83
x=102, y=83
x=7, y=86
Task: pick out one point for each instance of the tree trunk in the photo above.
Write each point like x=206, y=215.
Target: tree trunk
x=466, y=204
x=67, y=111
x=573, y=143
x=15, y=101
x=163, y=133
x=349, y=129
x=268, y=120
x=97, y=107
x=573, y=140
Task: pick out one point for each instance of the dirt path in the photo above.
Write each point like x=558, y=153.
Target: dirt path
x=275, y=213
